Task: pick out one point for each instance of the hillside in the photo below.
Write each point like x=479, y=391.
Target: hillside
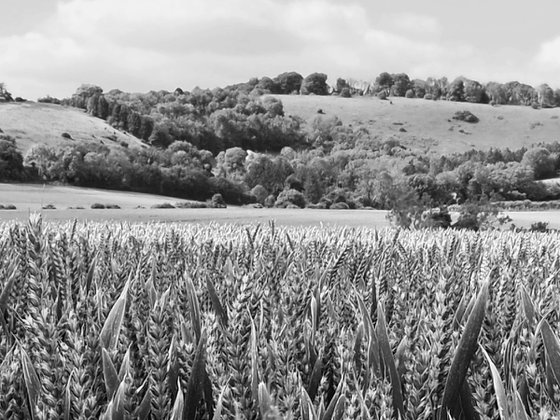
x=429, y=124
x=37, y=123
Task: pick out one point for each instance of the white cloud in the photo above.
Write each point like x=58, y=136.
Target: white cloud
x=139, y=45
x=549, y=54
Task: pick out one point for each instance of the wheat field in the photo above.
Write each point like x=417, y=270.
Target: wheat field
x=176, y=321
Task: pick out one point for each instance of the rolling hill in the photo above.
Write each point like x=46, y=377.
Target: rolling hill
x=429, y=125
x=38, y=123
x=416, y=123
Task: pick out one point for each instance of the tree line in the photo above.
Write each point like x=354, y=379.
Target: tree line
x=238, y=142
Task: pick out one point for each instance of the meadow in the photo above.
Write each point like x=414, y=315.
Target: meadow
x=125, y=320
x=428, y=126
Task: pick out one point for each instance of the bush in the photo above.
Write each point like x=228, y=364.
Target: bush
x=287, y=197
x=260, y=193
x=191, y=205
x=269, y=201
x=382, y=95
x=49, y=207
x=409, y=94
x=66, y=136
x=318, y=206
x=163, y=206
x=7, y=207
x=428, y=96
x=466, y=116
x=345, y=93
x=539, y=227
x=218, y=201
x=105, y=206
x=340, y=206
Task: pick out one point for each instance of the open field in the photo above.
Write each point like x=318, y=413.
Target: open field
x=429, y=124
x=30, y=198
x=33, y=123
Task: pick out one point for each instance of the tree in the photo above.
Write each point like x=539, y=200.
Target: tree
x=289, y=82
x=401, y=83
x=11, y=160
x=287, y=197
x=545, y=96
x=456, y=90
x=540, y=161
x=4, y=94
x=419, y=88
x=383, y=82
x=474, y=92
x=496, y=93
x=315, y=83
x=267, y=85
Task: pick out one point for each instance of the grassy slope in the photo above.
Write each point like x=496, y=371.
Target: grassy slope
x=32, y=123
x=429, y=124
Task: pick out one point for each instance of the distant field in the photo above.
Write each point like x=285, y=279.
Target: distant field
x=35, y=123
x=30, y=198
x=429, y=124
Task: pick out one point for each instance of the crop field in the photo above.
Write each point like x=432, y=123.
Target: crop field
x=121, y=321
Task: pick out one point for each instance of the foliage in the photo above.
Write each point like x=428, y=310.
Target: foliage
x=288, y=83
x=287, y=197
x=466, y=116
x=218, y=201
x=11, y=160
x=315, y=83
x=4, y=94
x=541, y=161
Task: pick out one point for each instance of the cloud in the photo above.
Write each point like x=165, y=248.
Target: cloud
x=139, y=45
x=549, y=54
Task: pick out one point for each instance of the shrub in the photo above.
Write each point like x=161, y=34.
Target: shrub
x=7, y=207
x=428, y=96
x=260, y=193
x=112, y=206
x=66, y=136
x=163, y=206
x=191, y=205
x=466, y=116
x=97, y=206
x=218, y=201
x=345, y=93
x=539, y=227
x=49, y=207
x=409, y=94
x=340, y=206
x=287, y=197
x=269, y=201
x=318, y=206
x=383, y=95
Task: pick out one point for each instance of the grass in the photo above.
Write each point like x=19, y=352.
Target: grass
x=75, y=203
x=32, y=123
x=430, y=125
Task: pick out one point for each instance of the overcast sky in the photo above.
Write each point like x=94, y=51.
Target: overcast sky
x=53, y=46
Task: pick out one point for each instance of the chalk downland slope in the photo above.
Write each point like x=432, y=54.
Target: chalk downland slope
x=429, y=125
x=33, y=123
